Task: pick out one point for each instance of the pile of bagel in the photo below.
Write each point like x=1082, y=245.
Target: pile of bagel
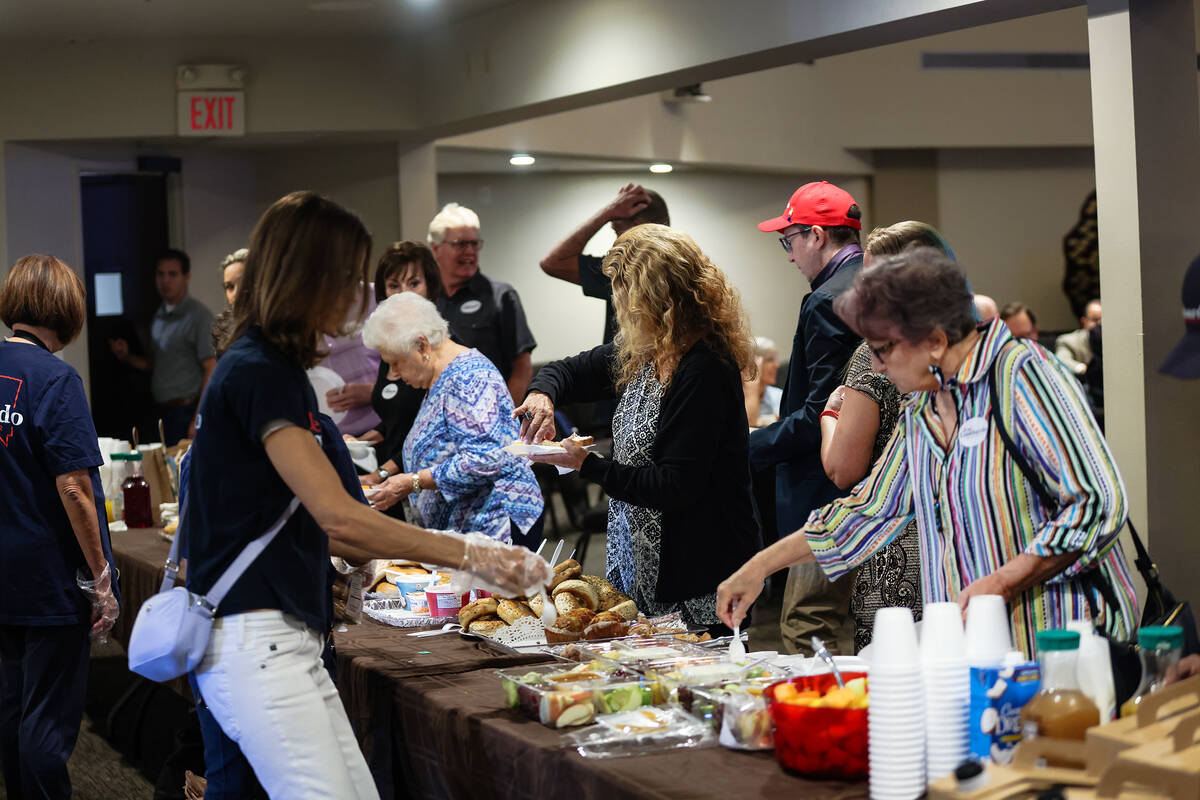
x=589, y=607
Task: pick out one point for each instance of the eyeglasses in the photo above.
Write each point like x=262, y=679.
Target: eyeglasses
x=466, y=244
x=882, y=350
x=786, y=241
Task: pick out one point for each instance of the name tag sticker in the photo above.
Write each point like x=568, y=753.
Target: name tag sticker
x=973, y=432
x=389, y=391
x=470, y=307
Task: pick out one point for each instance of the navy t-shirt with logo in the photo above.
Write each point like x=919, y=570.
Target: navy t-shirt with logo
x=235, y=494
x=46, y=430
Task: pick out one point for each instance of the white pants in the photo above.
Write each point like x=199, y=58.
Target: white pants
x=264, y=682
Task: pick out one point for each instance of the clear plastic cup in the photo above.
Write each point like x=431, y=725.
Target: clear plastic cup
x=987, y=635
x=894, y=641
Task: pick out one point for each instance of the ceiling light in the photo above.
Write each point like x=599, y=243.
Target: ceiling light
x=521, y=160
x=661, y=169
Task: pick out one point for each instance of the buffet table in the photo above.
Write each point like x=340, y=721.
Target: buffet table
x=430, y=719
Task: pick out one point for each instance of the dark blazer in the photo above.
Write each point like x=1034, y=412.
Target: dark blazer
x=821, y=351
x=700, y=474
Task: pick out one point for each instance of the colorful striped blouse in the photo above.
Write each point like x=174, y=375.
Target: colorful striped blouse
x=974, y=509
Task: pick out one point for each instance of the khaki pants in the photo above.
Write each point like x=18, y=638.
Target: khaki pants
x=815, y=606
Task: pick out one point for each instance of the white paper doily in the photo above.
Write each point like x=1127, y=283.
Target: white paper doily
x=525, y=631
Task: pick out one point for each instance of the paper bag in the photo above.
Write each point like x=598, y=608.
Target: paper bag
x=154, y=466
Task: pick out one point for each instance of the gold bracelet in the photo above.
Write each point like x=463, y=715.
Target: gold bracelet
x=416, y=482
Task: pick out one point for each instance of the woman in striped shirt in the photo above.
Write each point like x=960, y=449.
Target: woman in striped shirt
x=982, y=527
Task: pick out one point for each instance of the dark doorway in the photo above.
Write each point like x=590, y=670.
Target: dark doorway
x=124, y=230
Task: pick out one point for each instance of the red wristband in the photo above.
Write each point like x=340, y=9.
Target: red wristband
x=829, y=412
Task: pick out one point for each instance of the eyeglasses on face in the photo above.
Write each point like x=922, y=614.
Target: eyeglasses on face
x=881, y=352
x=786, y=241
x=466, y=244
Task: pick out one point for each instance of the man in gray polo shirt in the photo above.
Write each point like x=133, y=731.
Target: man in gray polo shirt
x=181, y=353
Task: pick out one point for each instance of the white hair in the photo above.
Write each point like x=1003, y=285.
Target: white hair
x=763, y=345
x=452, y=215
x=399, y=321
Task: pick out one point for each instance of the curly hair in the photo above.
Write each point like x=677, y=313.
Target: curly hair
x=669, y=296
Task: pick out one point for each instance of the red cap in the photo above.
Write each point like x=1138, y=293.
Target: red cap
x=819, y=203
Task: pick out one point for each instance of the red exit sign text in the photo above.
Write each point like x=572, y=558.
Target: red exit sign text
x=211, y=113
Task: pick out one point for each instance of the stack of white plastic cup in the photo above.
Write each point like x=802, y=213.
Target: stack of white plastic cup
x=988, y=637
x=897, y=711
x=947, y=684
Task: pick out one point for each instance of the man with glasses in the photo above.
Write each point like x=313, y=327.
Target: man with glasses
x=483, y=313
x=819, y=230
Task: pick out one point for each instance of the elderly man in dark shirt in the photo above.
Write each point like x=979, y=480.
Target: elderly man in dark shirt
x=483, y=313
x=820, y=233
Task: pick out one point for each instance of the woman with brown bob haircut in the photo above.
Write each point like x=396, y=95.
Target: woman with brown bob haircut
x=255, y=451
x=54, y=549
x=679, y=478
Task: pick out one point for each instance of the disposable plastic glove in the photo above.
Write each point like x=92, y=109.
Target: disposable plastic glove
x=104, y=603
x=503, y=569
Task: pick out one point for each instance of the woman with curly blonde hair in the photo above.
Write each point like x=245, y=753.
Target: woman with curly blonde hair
x=679, y=478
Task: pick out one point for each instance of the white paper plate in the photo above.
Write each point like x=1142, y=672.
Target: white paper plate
x=325, y=380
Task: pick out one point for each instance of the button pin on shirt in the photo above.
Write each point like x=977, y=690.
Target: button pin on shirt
x=470, y=307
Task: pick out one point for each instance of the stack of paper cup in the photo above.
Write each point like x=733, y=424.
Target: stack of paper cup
x=988, y=637
x=897, y=715
x=947, y=685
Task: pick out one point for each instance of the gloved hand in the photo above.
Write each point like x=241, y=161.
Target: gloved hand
x=503, y=569
x=104, y=602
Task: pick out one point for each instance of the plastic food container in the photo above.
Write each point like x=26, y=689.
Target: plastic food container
x=692, y=670
x=443, y=602
x=560, y=697
x=819, y=742
x=640, y=653
x=740, y=707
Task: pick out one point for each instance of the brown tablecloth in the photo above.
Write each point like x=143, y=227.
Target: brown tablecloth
x=430, y=719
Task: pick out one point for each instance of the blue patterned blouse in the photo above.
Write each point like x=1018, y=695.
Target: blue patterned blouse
x=464, y=421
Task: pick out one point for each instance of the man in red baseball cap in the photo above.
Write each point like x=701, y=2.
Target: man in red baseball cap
x=820, y=233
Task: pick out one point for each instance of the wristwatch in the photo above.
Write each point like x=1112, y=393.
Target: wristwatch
x=382, y=473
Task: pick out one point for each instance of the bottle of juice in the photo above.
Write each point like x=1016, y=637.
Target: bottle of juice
x=1059, y=709
x=1160, y=648
x=136, y=493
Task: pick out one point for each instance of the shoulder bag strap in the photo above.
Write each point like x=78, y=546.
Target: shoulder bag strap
x=240, y=564
x=1092, y=579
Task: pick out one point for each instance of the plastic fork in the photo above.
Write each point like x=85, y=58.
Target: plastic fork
x=737, y=649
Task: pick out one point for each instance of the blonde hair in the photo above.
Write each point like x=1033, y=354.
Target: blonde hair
x=452, y=215
x=892, y=240
x=668, y=296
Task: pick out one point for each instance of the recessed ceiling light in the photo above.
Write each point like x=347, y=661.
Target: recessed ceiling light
x=521, y=160
x=661, y=169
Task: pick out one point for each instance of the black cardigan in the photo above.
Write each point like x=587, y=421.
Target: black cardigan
x=700, y=474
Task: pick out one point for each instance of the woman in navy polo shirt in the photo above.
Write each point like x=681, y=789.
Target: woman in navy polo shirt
x=256, y=448
x=53, y=531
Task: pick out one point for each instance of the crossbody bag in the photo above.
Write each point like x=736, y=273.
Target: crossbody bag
x=1161, y=608
x=172, y=628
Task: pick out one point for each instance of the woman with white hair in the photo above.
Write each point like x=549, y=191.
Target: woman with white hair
x=763, y=397
x=460, y=477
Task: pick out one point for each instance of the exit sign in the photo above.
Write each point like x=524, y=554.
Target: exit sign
x=215, y=113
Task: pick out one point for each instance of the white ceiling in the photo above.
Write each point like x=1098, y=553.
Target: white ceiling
x=88, y=20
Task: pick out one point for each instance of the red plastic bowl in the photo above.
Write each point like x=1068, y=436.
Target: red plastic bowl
x=819, y=742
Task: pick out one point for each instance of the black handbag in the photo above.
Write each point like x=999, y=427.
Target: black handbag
x=1161, y=607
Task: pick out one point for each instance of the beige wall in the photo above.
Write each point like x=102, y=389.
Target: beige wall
x=1005, y=214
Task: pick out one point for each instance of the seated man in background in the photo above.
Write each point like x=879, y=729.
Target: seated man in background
x=1074, y=348
x=1020, y=321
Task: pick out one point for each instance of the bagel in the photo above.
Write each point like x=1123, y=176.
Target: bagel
x=575, y=620
x=476, y=609
x=626, y=610
x=535, y=605
x=581, y=589
x=510, y=611
x=567, y=570
x=388, y=589
x=607, y=595
x=487, y=627
x=566, y=602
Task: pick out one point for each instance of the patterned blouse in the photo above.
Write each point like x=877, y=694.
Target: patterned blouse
x=892, y=577
x=465, y=419
x=973, y=507
x=634, y=546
